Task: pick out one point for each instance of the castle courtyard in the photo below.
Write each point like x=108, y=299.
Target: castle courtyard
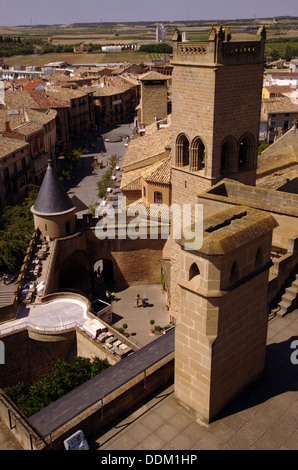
x=263, y=417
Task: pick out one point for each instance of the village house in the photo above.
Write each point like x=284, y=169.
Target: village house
x=14, y=170
x=146, y=174
x=277, y=117
x=115, y=101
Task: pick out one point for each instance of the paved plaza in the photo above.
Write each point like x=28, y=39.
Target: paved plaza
x=83, y=186
x=138, y=318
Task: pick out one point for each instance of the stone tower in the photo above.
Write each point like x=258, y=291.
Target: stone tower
x=154, y=98
x=53, y=211
x=216, y=103
x=220, y=286
x=220, y=339
x=216, y=94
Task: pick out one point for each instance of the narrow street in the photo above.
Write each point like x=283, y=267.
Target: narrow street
x=83, y=186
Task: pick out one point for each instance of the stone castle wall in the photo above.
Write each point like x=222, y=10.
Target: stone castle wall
x=27, y=359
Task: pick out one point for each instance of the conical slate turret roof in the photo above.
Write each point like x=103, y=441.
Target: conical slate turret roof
x=52, y=197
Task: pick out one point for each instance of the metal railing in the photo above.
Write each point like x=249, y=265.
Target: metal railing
x=30, y=326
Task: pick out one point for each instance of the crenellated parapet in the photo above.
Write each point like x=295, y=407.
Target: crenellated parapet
x=219, y=49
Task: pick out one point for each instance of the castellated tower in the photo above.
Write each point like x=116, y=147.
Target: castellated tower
x=216, y=95
x=216, y=102
x=221, y=286
x=221, y=334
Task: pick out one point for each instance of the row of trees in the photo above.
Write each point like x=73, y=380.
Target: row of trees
x=276, y=48
x=106, y=180
x=59, y=48
x=161, y=48
x=10, y=45
x=16, y=231
x=288, y=54
x=51, y=386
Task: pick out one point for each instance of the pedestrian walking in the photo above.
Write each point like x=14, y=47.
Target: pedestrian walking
x=138, y=298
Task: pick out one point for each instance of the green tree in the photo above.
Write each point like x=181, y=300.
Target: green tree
x=51, y=386
x=16, y=232
x=71, y=161
x=106, y=180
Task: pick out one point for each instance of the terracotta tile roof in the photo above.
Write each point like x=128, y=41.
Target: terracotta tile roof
x=36, y=82
x=153, y=143
x=21, y=81
x=279, y=158
x=19, y=99
x=64, y=95
x=35, y=99
x=41, y=116
x=160, y=174
x=28, y=128
x=280, y=88
x=106, y=91
x=131, y=181
x=44, y=100
x=280, y=105
x=14, y=119
x=152, y=75
x=17, y=119
x=285, y=74
x=8, y=146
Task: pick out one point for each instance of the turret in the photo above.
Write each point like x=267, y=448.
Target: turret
x=53, y=211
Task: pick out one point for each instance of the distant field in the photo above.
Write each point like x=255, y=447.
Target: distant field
x=138, y=33
x=111, y=57
x=280, y=47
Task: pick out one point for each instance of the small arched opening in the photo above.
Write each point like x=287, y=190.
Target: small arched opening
x=74, y=273
x=193, y=271
x=234, y=274
x=228, y=157
x=104, y=271
x=182, y=151
x=197, y=155
x=259, y=258
x=246, y=153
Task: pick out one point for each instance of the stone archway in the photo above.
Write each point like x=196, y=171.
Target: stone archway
x=197, y=155
x=105, y=268
x=246, y=155
x=228, y=156
x=74, y=273
x=182, y=150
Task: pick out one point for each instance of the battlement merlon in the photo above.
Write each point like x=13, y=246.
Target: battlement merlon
x=220, y=49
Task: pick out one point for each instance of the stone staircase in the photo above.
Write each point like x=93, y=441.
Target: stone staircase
x=6, y=294
x=289, y=298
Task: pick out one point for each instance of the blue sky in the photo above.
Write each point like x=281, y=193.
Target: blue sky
x=16, y=12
